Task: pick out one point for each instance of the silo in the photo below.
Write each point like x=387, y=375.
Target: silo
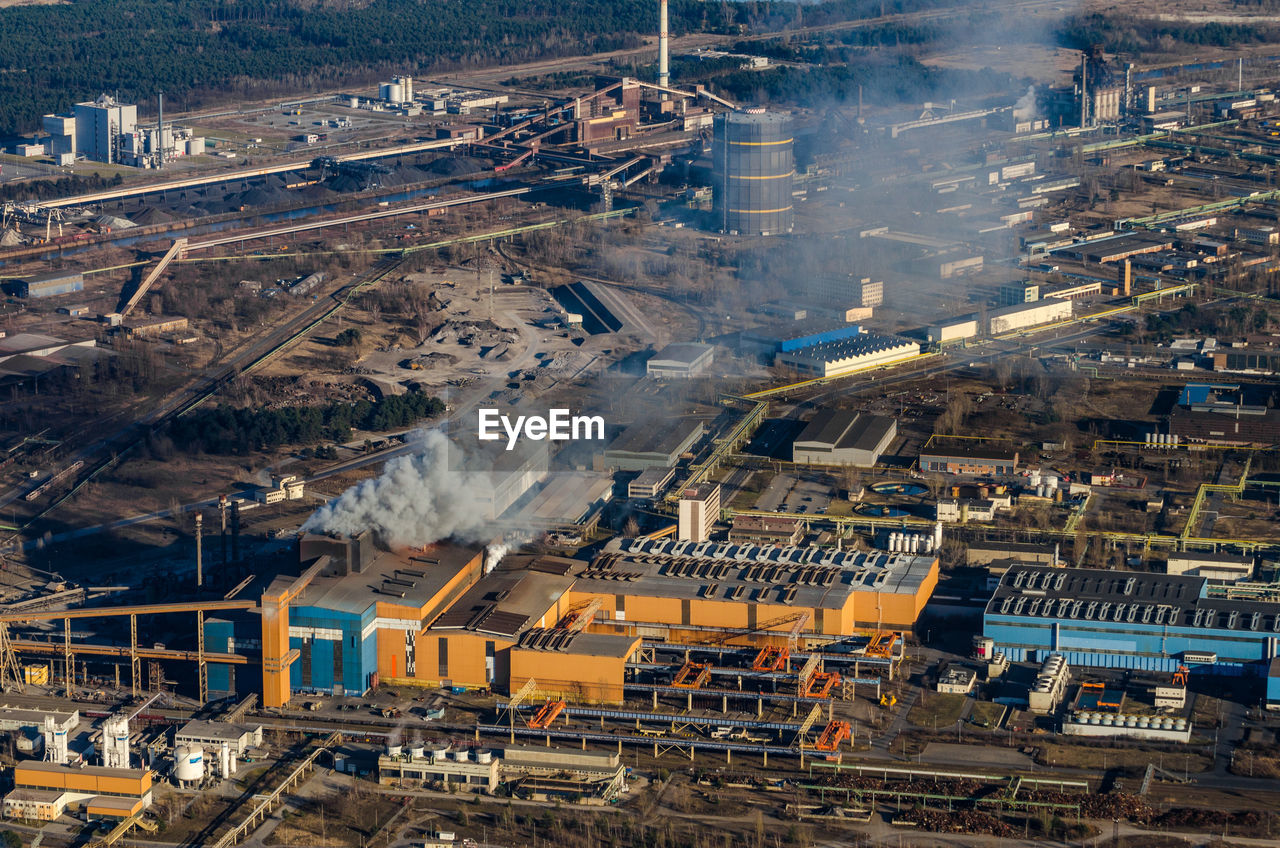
x=752, y=171
x=188, y=765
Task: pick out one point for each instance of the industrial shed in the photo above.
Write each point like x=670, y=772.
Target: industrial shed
x=844, y=437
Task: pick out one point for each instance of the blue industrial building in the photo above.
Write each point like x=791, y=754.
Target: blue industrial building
x=47, y=285
x=1131, y=620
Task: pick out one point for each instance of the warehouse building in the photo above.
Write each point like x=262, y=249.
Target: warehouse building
x=547, y=774
x=844, y=437
x=968, y=458
x=47, y=285
x=1020, y=316
x=644, y=445
x=1110, y=619
x=214, y=734
x=453, y=769
x=1220, y=568
x=847, y=355
x=680, y=361
x=953, y=330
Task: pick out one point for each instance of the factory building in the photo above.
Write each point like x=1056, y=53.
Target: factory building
x=753, y=167
x=99, y=125
x=968, y=458
x=503, y=631
x=1020, y=316
x=651, y=482
x=214, y=734
x=643, y=445
x=1110, y=619
x=43, y=791
x=844, y=437
x=454, y=769
x=680, y=361
x=359, y=620
x=47, y=285
x=61, y=130
x=568, y=500
x=1226, y=414
x=953, y=330
x=766, y=529
x=544, y=774
x=699, y=510
x=681, y=596
x=847, y=355
x=1218, y=568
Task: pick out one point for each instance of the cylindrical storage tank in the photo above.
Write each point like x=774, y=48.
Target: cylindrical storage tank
x=188, y=764
x=1108, y=721
x=462, y=755
x=394, y=750
x=1144, y=722
x=1035, y=478
x=753, y=166
x=1180, y=724
x=439, y=752
x=485, y=756
x=1130, y=721
x=417, y=752
x=1095, y=720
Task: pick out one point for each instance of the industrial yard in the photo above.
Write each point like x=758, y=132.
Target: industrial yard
x=651, y=447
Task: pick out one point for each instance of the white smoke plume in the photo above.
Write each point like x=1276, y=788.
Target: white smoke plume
x=420, y=499
x=493, y=555
x=1025, y=108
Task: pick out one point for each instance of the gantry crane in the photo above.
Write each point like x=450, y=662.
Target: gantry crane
x=10, y=674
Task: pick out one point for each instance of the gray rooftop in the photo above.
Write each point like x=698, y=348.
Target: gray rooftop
x=843, y=429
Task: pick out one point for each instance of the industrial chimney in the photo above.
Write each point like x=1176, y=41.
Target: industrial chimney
x=664, y=48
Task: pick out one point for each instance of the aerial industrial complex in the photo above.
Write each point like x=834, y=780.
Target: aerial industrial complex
x=637, y=430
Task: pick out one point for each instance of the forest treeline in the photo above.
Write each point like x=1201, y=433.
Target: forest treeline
x=199, y=51
x=227, y=430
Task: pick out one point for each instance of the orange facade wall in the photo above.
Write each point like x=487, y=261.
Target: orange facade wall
x=72, y=780
x=464, y=658
x=571, y=677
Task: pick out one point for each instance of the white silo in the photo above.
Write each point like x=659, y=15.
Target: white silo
x=188, y=765
x=115, y=742
x=406, y=88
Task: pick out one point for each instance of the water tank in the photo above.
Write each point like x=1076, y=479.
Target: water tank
x=485, y=756
x=188, y=764
x=1144, y=722
x=1180, y=724
x=753, y=165
x=1108, y=721
x=1130, y=721
x=1095, y=720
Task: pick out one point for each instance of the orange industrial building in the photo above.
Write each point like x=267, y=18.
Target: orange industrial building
x=359, y=615
x=43, y=791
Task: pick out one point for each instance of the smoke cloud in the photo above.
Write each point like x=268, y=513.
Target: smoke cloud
x=420, y=499
x=1025, y=108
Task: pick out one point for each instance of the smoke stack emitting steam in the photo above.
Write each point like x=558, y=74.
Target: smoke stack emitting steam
x=419, y=499
x=664, y=47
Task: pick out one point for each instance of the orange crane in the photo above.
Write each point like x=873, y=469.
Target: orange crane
x=832, y=735
x=821, y=684
x=1180, y=676
x=771, y=659
x=692, y=675
x=882, y=643
x=547, y=714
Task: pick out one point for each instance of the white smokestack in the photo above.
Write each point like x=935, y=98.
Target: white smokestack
x=664, y=47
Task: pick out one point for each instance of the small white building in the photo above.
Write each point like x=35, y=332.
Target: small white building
x=957, y=680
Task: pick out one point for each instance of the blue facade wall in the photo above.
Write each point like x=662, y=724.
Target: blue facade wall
x=218, y=636
x=1125, y=645
x=352, y=654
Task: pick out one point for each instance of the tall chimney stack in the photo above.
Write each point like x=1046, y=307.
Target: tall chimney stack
x=664, y=47
x=199, y=550
x=160, y=131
